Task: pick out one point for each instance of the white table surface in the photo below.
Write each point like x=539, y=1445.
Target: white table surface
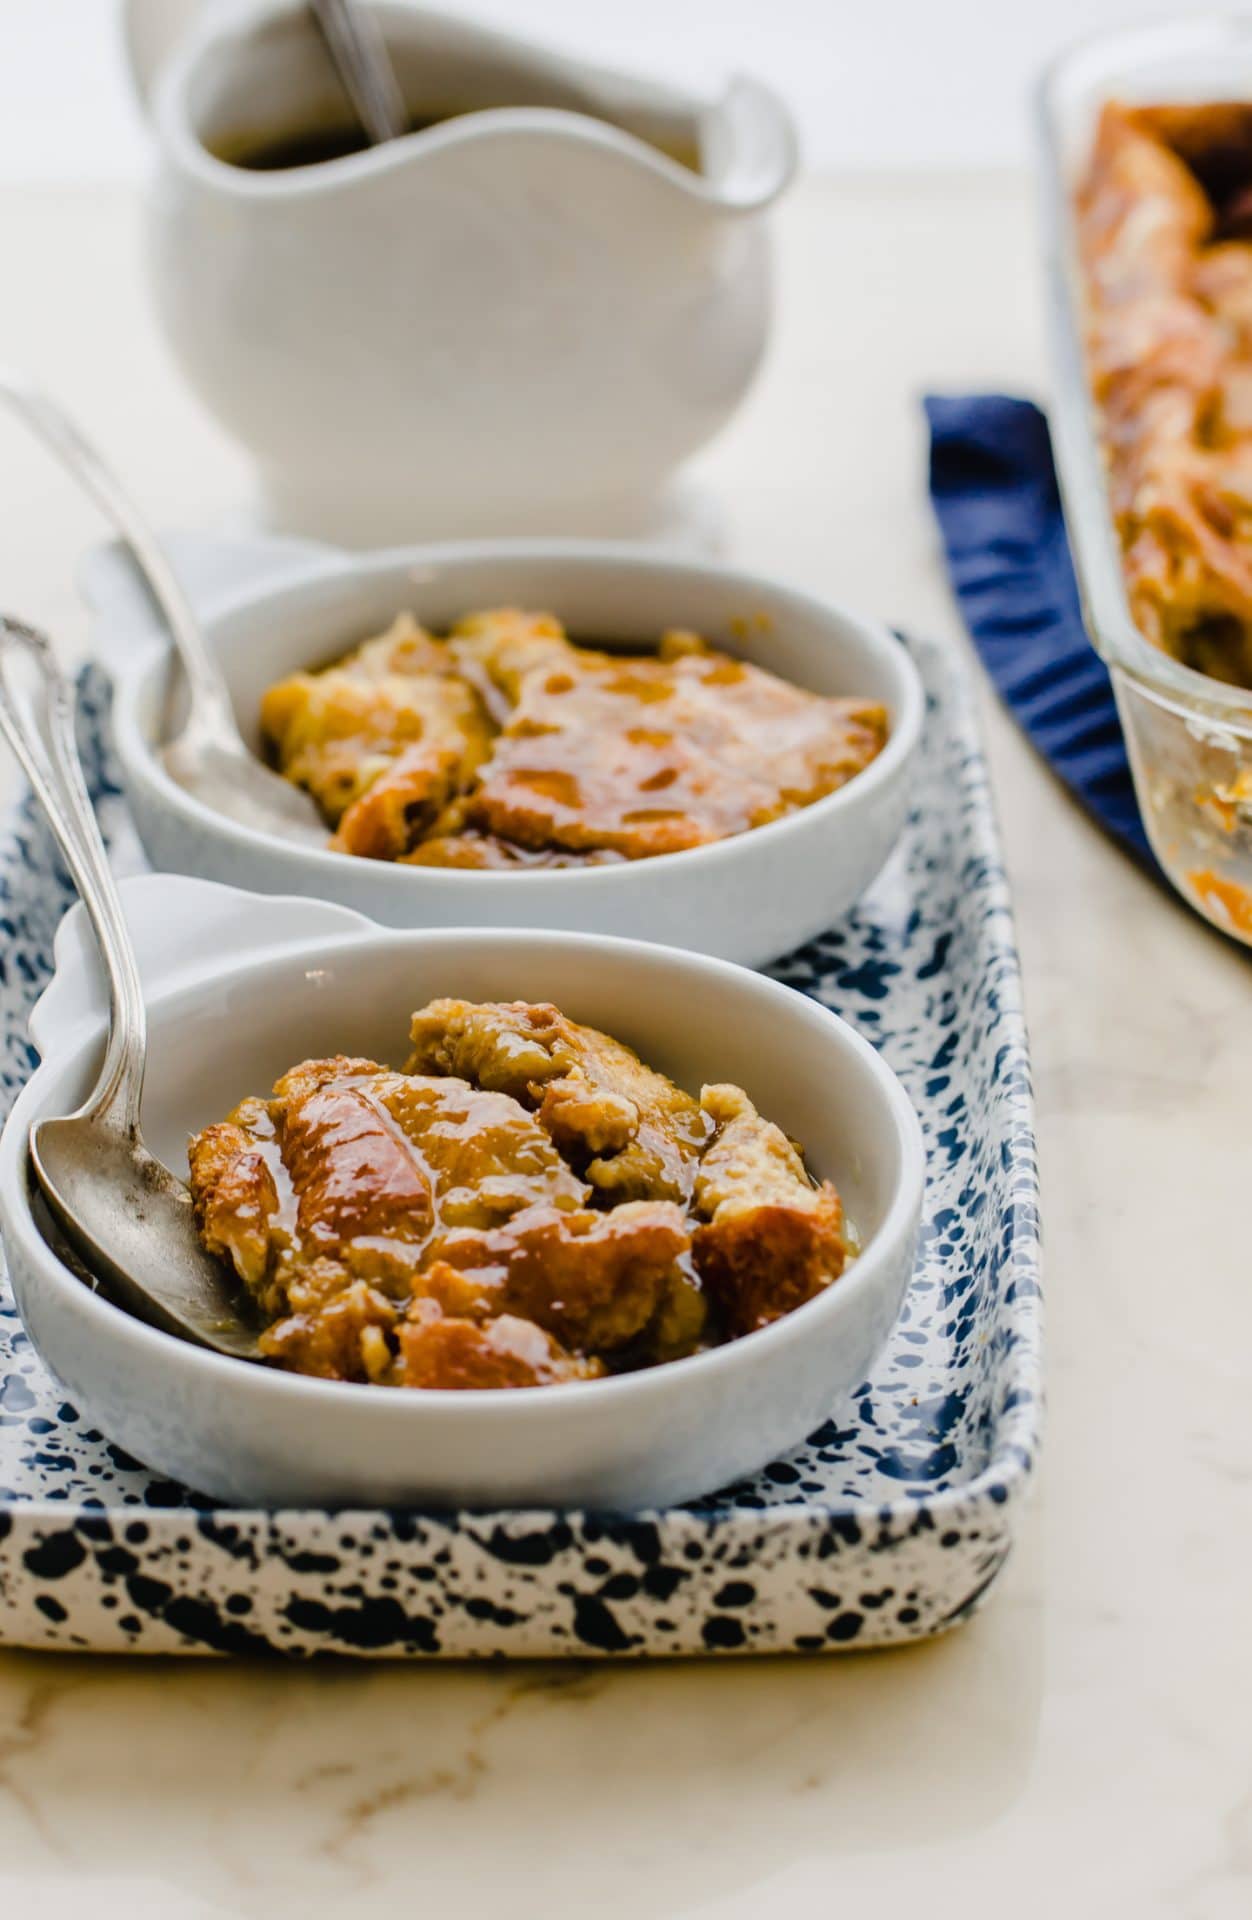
x=1081, y=1748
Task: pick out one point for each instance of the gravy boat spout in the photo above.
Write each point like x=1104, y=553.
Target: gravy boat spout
x=750, y=148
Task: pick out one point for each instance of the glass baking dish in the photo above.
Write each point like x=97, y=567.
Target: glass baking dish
x=1189, y=737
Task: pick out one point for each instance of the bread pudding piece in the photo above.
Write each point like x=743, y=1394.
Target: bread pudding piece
x=383, y=740
x=435, y=1351
x=645, y=754
x=1165, y=233
x=772, y=1240
x=595, y=1281
x=351, y=1172
x=631, y=1132
x=527, y=1204
x=355, y=1192
x=506, y=747
x=500, y=649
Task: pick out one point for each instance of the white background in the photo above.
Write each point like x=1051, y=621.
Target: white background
x=878, y=84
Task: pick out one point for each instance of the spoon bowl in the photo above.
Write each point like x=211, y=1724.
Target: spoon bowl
x=236, y=785
x=130, y=1220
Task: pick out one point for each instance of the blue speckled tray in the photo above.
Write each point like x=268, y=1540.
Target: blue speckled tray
x=891, y=1523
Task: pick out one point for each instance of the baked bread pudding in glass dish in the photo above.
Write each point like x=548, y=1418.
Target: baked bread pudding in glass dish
x=1159, y=266
x=1165, y=235
x=526, y=1203
x=504, y=745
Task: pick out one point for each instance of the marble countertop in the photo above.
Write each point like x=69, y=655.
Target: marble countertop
x=1082, y=1744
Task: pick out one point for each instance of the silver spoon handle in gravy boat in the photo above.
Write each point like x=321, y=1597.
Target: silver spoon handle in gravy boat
x=356, y=46
x=40, y=731
x=210, y=702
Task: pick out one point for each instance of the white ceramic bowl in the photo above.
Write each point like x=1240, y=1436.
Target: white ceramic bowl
x=749, y=898
x=305, y=978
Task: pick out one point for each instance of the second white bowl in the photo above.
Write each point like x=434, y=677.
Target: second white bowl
x=749, y=898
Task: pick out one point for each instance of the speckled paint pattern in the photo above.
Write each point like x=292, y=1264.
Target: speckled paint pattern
x=891, y=1523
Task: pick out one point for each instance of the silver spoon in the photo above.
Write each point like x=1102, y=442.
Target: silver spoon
x=363, y=64
x=124, y=1212
x=208, y=756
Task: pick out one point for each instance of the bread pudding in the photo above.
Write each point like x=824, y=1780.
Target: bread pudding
x=504, y=745
x=1165, y=236
x=526, y=1204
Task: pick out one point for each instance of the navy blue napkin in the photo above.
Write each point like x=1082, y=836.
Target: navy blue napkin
x=994, y=491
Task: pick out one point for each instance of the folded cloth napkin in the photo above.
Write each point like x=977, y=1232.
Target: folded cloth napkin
x=994, y=491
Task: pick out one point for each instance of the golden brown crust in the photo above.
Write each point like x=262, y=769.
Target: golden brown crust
x=648, y=756
x=437, y=1351
x=528, y=1203
x=771, y=1239
x=234, y=1191
x=384, y=740
x=596, y=1281
x=343, y=1335
x=630, y=1131
x=353, y=1172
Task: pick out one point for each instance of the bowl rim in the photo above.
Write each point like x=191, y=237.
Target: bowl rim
x=132, y=675
x=95, y=1309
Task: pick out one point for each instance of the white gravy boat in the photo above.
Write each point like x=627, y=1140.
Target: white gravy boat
x=520, y=319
